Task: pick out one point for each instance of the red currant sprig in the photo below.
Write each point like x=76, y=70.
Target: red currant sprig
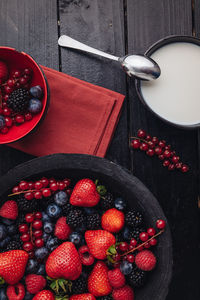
x=152, y=146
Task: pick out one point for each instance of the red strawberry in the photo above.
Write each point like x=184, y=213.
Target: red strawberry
x=82, y=297
x=116, y=278
x=112, y=220
x=86, y=257
x=64, y=262
x=98, y=283
x=98, y=242
x=44, y=295
x=85, y=194
x=62, y=229
x=145, y=260
x=15, y=292
x=124, y=293
x=12, y=265
x=3, y=71
x=9, y=210
x=35, y=283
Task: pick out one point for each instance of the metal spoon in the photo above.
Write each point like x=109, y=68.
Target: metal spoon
x=139, y=66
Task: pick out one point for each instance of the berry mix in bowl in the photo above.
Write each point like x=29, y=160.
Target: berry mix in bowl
x=77, y=237
x=23, y=94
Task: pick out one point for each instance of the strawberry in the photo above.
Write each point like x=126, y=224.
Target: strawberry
x=35, y=283
x=44, y=295
x=62, y=229
x=124, y=293
x=145, y=260
x=85, y=193
x=64, y=262
x=12, y=265
x=9, y=210
x=15, y=292
x=98, y=283
x=3, y=71
x=116, y=278
x=112, y=220
x=82, y=297
x=98, y=242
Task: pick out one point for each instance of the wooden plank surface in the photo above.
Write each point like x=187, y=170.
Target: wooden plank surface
x=29, y=26
x=148, y=21
x=99, y=24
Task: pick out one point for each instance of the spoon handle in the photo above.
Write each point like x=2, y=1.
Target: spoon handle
x=66, y=41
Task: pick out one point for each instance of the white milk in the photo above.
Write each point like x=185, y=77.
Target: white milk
x=175, y=95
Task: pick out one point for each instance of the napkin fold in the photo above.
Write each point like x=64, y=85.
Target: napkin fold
x=81, y=118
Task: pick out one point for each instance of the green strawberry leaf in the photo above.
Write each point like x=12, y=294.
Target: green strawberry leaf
x=101, y=189
x=110, y=259
x=112, y=250
x=2, y=281
x=60, y=286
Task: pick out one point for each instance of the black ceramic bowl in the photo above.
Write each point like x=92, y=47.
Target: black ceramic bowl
x=116, y=179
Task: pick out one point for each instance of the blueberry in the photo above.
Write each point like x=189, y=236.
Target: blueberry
x=7, y=221
x=126, y=233
x=12, y=229
x=41, y=253
x=35, y=106
x=120, y=203
x=41, y=270
x=53, y=211
x=45, y=217
x=89, y=210
x=126, y=267
x=52, y=242
x=3, y=231
x=45, y=236
x=36, y=91
x=75, y=238
x=60, y=198
x=27, y=296
x=3, y=294
x=32, y=266
x=53, y=248
x=5, y=242
x=48, y=227
x=2, y=122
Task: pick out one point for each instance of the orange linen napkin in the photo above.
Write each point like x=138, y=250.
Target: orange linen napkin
x=81, y=118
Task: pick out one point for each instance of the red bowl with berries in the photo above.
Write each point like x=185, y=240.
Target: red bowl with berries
x=24, y=95
x=84, y=204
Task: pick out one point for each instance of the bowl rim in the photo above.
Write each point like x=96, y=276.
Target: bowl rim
x=84, y=162
x=155, y=46
x=47, y=100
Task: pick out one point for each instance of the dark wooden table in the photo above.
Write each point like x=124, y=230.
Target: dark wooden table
x=120, y=27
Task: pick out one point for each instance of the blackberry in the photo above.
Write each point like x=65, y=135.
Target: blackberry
x=79, y=286
x=26, y=206
x=134, y=233
x=20, y=219
x=107, y=201
x=66, y=208
x=18, y=100
x=137, y=277
x=133, y=218
x=75, y=218
x=93, y=221
x=14, y=245
x=109, y=297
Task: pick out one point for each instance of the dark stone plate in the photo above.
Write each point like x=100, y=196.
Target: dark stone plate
x=117, y=179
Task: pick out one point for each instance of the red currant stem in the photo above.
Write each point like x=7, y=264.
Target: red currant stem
x=132, y=250
x=21, y=192
x=137, y=138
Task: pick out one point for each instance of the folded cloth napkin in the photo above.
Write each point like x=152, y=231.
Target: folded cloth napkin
x=81, y=118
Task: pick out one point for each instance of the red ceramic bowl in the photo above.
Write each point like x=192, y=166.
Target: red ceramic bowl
x=20, y=60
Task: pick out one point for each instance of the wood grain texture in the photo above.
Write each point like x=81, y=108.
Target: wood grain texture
x=29, y=26
x=148, y=21
x=99, y=24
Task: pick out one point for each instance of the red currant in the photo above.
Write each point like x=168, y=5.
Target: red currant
x=161, y=157
x=144, y=236
x=123, y=246
x=153, y=242
x=168, y=147
x=5, y=98
x=133, y=242
x=45, y=182
x=51, y=180
x=25, y=237
x=166, y=163
x=23, y=80
x=151, y=231
x=148, y=138
x=54, y=186
x=147, y=245
x=61, y=185
x=27, y=71
x=141, y=248
x=37, y=224
x=39, y=243
x=6, y=111
x=23, y=185
x=141, y=133
x=144, y=147
x=117, y=257
x=171, y=167
x=38, y=215
x=162, y=143
x=135, y=144
x=69, y=191
x=16, y=73
x=37, y=233
x=150, y=152
x=67, y=182
x=160, y=224
x=38, y=195
x=175, y=159
x=167, y=153
x=29, y=196
x=17, y=85
x=4, y=130
x=28, y=116
x=38, y=185
x=184, y=168
x=31, y=185
x=16, y=189
x=8, y=121
x=23, y=228
x=28, y=246
x=46, y=192
x=130, y=258
x=155, y=140
x=158, y=150
x=29, y=218
x=31, y=254
x=151, y=144
x=19, y=119
x=11, y=83
x=179, y=165
x=8, y=89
